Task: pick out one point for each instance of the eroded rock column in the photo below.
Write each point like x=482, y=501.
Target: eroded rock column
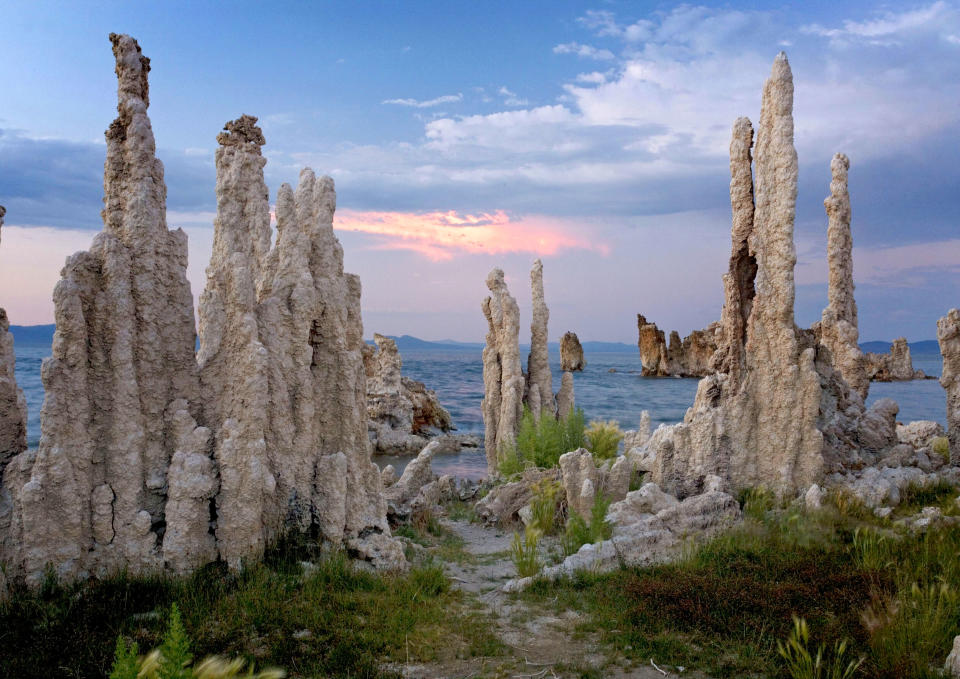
x=539, y=378
x=13, y=406
x=838, y=325
x=503, y=381
x=948, y=336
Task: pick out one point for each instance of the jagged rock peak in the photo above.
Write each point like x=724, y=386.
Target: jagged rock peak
x=571, y=353
x=503, y=382
x=242, y=131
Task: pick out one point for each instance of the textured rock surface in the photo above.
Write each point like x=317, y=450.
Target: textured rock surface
x=123, y=353
x=895, y=366
x=539, y=378
x=583, y=480
x=124, y=478
x=566, y=399
x=952, y=666
x=689, y=357
x=777, y=414
x=503, y=503
x=13, y=406
x=503, y=381
x=403, y=415
x=571, y=353
x=416, y=476
x=634, y=438
x=838, y=330
x=649, y=527
x=948, y=335
x=281, y=327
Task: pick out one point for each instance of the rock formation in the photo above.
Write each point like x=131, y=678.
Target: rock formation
x=838, y=329
x=91, y=498
x=778, y=415
x=566, y=401
x=13, y=406
x=503, y=380
x=689, y=357
x=281, y=327
x=402, y=414
x=584, y=481
x=895, y=366
x=948, y=336
x=571, y=353
x=124, y=478
x=539, y=378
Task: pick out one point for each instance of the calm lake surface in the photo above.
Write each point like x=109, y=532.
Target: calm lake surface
x=610, y=388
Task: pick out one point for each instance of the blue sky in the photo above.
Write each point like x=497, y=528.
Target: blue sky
x=593, y=134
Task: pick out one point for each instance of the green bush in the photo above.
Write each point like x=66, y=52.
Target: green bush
x=802, y=665
x=540, y=443
x=941, y=446
x=579, y=533
x=603, y=439
x=523, y=552
x=172, y=660
x=543, y=506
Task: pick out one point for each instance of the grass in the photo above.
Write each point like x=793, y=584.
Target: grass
x=540, y=443
x=524, y=552
x=889, y=597
x=916, y=496
x=544, y=505
x=579, y=532
x=603, y=439
x=355, y=620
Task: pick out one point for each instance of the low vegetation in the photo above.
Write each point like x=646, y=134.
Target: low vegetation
x=603, y=439
x=326, y=618
x=540, y=443
x=874, y=600
x=579, y=532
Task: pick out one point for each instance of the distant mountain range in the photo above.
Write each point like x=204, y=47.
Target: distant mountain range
x=33, y=335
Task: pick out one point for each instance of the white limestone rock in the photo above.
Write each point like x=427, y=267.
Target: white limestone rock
x=388, y=476
x=919, y=433
x=583, y=480
x=952, y=666
x=503, y=381
x=539, y=376
x=13, y=405
x=948, y=336
x=566, y=400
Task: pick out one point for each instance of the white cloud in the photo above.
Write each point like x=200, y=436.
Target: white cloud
x=511, y=98
x=584, y=51
x=889, y=24
x=427, y=103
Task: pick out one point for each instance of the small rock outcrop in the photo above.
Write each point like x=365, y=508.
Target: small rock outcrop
x=948, y=336
x=689, y=357
x=838, y=330
x=503, y=381
x=571, y=353
x=13, y=406
x=402, y=414
x=539, y=392
x=584, y=481
x=895, y=366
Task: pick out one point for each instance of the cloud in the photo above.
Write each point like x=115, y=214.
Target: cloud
x=441, y=235
x=882, y=29
x=584, y=51
x=445, y=99
x=511, y=98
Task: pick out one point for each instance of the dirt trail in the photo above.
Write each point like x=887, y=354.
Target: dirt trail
x=541, y=642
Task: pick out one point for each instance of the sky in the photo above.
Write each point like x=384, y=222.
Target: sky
x=464, y=136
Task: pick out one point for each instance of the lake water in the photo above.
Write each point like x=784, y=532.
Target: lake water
x=610, y=388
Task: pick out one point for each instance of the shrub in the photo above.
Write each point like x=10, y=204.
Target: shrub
x=172, y=660
x=579, y=533
x=523, y=552
x=918, y=495
x=941, y=446
x=603, y=439
x=756, y=502
x=802, y=665
x=544, y=505
x=870, y=550
x=541, y=442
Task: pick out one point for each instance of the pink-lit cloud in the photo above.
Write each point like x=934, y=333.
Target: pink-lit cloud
x=443, y=235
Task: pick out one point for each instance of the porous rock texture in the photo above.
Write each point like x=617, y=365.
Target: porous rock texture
x=402, y=414
x=689, y=357
x=649, y=527
x=92, y=498
x=894, y=366
x=838, y=330
x=503, y=381
x=13, y=406
x=124, y=478
x=948, y=336
x=777, y=414
x=281, y=327
x=571, y=353
x=584, y=480
x=539, y=378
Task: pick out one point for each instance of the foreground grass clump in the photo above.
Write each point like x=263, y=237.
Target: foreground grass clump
x=540, y=443
x=329, y=619
x=579, y=533
x=889, y=597
x=603, y=439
